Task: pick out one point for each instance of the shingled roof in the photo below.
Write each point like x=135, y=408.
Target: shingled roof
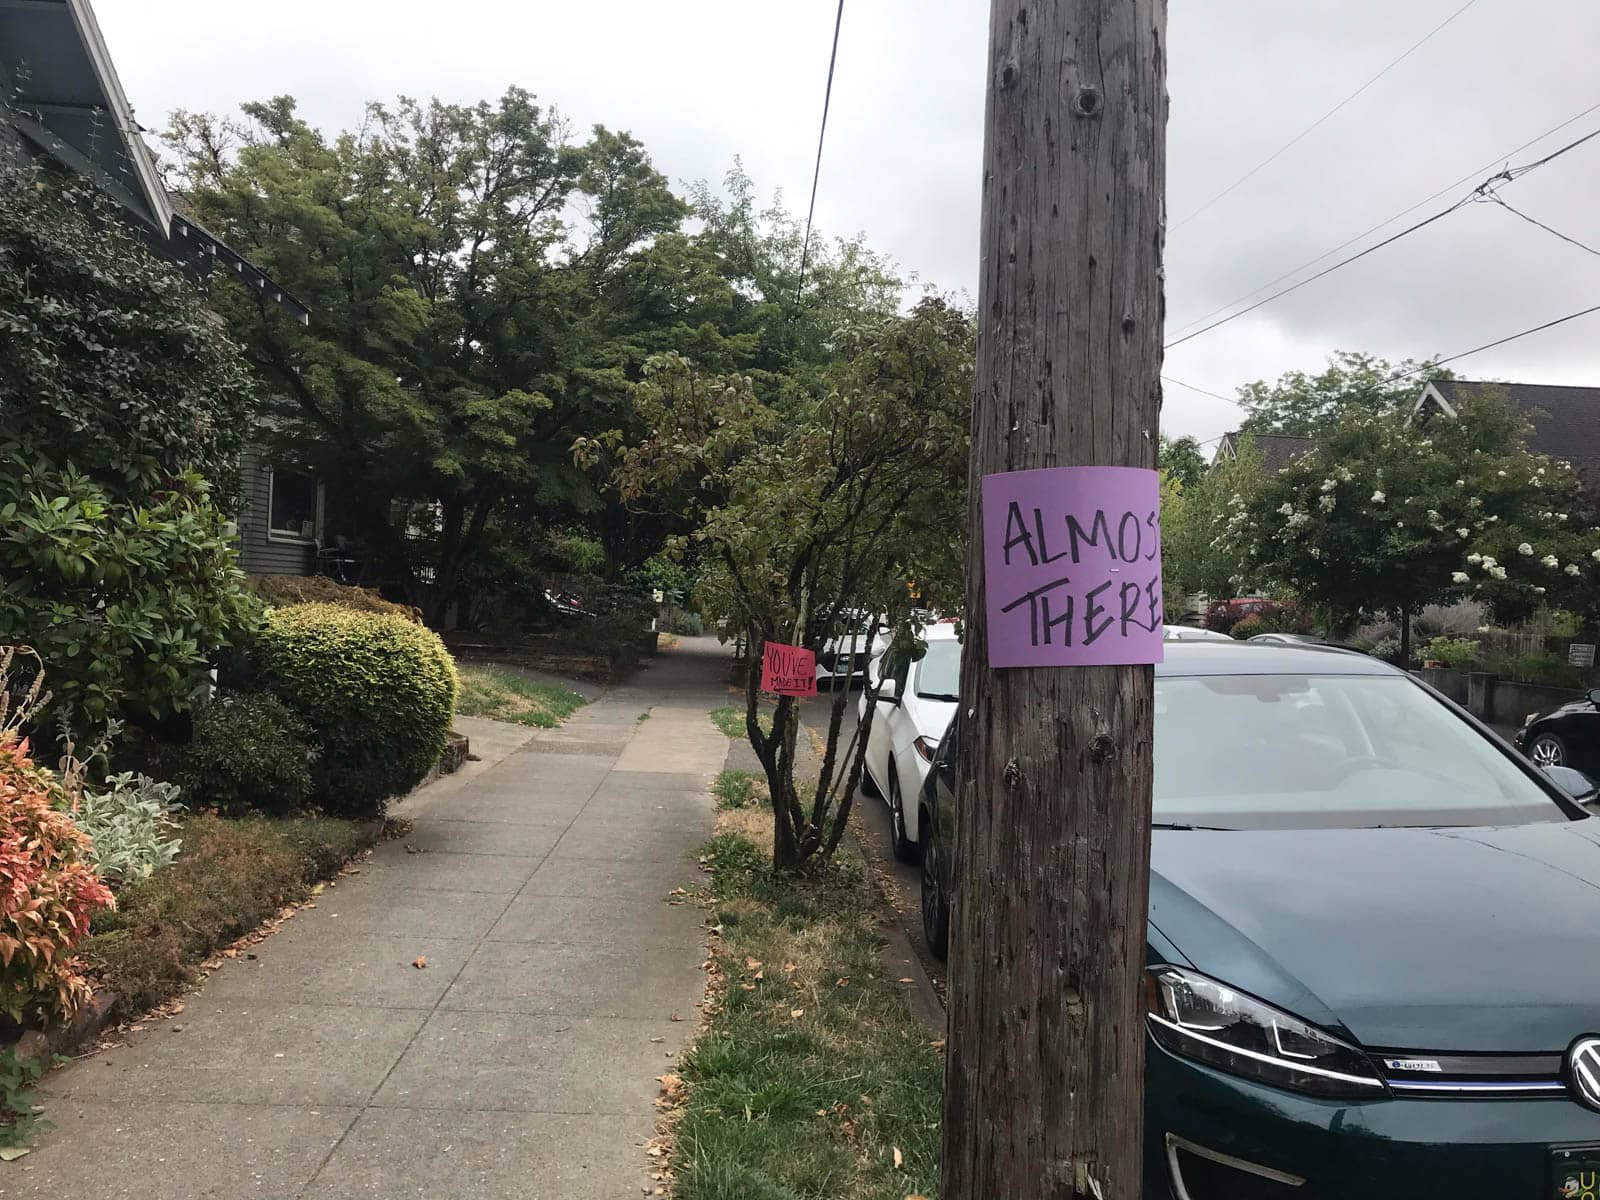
x=1566, y=420
x=1277, y=450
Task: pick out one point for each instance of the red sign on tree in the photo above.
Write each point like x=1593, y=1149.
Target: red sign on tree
x=788, y=670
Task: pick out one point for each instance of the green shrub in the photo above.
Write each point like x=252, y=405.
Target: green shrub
x=249, y=751
x=1545, y=669
x=1456, y=653
x=378, y=692
x=129, y=823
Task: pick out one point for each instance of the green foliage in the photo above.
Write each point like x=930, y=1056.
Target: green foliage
x=112, y=361
x=812, y=1072
x=249, y=751
x=1543, y=668
x=466, y=328
x=737, y=789
x=504, y=694
x=377, y=691
x=1181, y=460
x=731, y=721
x=232, y=875
x=1455, y=653
x=815, y=510
x=1387, y=516
x=1194, y=555
x=19, y=1119
x=1353, y=386
x=126, y=601
x=130, y=822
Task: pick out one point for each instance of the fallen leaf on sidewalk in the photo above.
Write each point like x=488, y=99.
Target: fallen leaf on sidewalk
x=674, y=1017
x=899, y=1159
x=12, y=1153
x=420, y=961
x=672, y=1090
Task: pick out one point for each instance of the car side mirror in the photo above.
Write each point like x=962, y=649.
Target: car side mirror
x=889, y=691
x=1574, y=783
x=1594, y=697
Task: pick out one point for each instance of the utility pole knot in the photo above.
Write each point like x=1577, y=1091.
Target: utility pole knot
x=1102, y=748
x=1012, y=774
x=1087, y=102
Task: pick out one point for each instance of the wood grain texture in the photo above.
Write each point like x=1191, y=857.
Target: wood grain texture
x=1043, y=1082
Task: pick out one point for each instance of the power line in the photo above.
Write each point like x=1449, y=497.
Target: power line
x=1203, y=391
x=816, y=173
x=1309, y=129
x=1439, y=362
x=1348, y=242
x=1483, y=191
x=1517, y=212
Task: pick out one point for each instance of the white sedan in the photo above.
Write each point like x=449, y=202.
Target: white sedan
x=916, y=700
x=1191, y=633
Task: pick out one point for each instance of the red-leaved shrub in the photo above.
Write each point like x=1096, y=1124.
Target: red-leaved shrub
x=48, y=891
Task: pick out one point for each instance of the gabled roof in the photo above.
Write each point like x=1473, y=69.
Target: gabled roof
x=1566, y=420
x=67, y=100
x=59, y=91
x=1277, y=450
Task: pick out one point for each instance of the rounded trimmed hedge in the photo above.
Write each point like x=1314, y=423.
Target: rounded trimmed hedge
x=378, y=692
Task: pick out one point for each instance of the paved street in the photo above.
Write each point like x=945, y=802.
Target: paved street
x=519, y=1061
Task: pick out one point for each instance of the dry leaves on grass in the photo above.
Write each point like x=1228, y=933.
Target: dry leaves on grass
x=672, y=1091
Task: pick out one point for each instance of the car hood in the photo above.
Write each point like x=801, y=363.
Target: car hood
x=1562, y=710
x=1469, y=940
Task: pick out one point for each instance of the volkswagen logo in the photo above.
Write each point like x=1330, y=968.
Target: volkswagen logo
x=1583, y=1070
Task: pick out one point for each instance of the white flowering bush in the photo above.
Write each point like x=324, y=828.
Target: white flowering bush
x=1387, y=516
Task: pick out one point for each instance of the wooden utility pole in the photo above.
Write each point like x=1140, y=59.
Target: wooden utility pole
x=1043, y=1088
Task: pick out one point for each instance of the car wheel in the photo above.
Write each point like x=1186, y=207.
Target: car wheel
x=904, y=848
x=935, y=905
x=1547, y=750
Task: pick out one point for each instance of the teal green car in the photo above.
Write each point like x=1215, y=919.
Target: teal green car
x=1373, y=966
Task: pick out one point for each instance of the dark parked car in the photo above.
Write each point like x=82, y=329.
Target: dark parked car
x=1374, y=942
x=1568, y=736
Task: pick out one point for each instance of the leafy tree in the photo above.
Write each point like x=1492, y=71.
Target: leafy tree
x=1353, y=384
x=1181, y=458
x=1195, y=556
x=1388, y=516
x=123, y=405
x=466, y=328
x=814, y=511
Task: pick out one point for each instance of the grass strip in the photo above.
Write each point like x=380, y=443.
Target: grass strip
x=730, y=721
x=505, y=695
x=232, y=875
x=812, y=1077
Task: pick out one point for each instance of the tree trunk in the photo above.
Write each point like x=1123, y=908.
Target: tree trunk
x=1405, y=637
x=1046, y=1024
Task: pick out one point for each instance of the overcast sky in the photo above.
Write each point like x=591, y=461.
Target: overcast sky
x=700, y=82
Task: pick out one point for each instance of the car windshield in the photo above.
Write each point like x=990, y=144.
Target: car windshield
x=939, y=676
x=1308, y=751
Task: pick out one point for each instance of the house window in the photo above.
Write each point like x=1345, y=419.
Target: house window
x=293, y=506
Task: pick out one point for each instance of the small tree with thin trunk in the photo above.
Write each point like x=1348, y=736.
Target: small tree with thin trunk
x=815, y=517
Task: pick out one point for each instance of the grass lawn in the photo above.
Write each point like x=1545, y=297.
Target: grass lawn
x=812, y=1078
x=731, y=721
x=230, y=877
x=502, y=694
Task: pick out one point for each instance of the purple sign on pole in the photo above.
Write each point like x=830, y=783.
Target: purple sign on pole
x=1072, y=566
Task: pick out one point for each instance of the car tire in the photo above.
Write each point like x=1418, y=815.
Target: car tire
x=935, y=904
x=1547, y=750
x=905, y=850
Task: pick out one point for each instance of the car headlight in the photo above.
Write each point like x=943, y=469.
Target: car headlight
x=1202, y=1019
x=926, y=748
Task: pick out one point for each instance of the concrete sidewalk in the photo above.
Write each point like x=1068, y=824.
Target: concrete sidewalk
x=520, y=1062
